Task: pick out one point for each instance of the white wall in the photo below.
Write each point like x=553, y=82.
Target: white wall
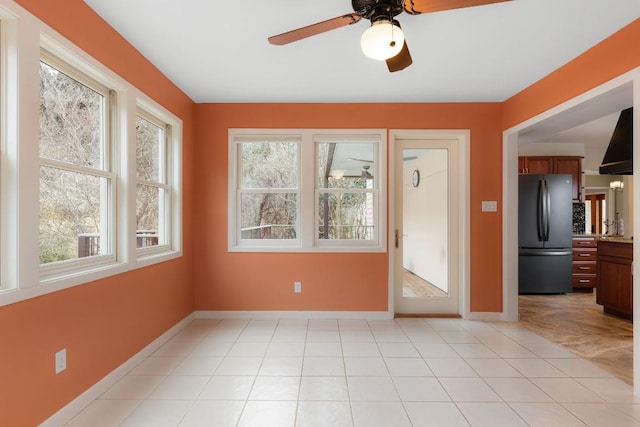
x=425, y=224
x=551, y=149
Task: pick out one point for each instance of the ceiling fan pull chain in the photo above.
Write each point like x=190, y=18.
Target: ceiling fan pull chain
x=392, y=43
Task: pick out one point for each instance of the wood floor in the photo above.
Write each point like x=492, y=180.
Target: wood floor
x=416, y=287
x=576, y=322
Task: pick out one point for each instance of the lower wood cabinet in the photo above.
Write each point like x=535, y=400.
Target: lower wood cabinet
x=584, y=263
x=615, y=278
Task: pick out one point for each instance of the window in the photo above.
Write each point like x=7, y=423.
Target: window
x=306, y=191
x=77, y=189
x=346, y=189
x=268, y=190
x=90, y=167
x=153, y=193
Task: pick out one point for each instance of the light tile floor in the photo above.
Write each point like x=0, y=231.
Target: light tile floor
x=333, y=373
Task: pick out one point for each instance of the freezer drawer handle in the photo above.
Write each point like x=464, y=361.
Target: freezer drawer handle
x=545, y=253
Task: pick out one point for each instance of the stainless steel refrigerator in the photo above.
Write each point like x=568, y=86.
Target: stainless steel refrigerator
x=545, y=228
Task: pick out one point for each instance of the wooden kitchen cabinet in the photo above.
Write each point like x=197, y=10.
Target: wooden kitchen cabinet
x=615, y=278
x=571, y=165
x=536, y=164
x=584, y=263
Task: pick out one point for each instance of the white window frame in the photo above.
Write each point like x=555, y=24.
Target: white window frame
x=172, y=246
x=307, y=238
x=164, y=183
x=236, y=198
x=3, y=149
x=108, y=193
x=374, y=191
x=9, y=131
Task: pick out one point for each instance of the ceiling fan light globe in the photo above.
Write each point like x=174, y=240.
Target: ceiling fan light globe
x=382, y=40
x=337, y=174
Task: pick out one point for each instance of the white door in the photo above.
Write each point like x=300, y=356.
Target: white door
x=426, y=271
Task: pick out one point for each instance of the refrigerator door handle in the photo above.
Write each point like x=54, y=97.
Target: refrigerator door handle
x=547, y=210
x=540, y=213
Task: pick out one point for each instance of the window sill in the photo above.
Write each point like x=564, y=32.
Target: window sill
x=314, y=249
x=72, y=279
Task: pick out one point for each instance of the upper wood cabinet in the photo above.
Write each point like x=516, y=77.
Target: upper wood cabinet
x=571, y=165
x=536, y=164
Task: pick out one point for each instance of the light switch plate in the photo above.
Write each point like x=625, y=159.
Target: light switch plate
x=61, y=360
x=489, y=206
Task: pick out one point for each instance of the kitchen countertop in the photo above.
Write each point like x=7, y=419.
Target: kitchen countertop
x=616, y=239
x=620, y=239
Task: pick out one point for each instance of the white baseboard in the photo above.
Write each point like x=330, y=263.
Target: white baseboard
x=367, y=315
x=74, y=407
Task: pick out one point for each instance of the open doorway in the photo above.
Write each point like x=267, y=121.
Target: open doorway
x=595, y=212
x=606, y=99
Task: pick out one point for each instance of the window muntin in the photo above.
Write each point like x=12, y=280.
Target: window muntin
x=291, y=199
x=76, y=182
x=268, y=187
x=153, y=192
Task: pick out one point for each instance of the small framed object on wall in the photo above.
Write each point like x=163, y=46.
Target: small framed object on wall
x=415, y=179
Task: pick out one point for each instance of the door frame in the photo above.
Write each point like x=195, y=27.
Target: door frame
x=463, y=138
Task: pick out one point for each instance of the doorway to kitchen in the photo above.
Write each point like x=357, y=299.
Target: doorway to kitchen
x=610, y=97
x=426, y=237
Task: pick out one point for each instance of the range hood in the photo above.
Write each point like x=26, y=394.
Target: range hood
x=618, y=160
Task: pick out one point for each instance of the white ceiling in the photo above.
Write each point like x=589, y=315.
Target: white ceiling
x=217, y=51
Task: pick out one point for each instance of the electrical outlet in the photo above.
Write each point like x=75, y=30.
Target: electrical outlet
x=61, y=360
x=297, y=287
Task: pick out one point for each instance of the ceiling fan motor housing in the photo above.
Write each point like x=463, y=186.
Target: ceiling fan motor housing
x=375, y=10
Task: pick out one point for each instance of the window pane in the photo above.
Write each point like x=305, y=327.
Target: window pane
x=346, y=216
x=269, y=165
x=268, y=216
x=345, y=164
x=70, y=119
x=149, y=139
x=70, y=215
x=149, y=201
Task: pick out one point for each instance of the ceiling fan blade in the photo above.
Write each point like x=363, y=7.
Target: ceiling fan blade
x=312, y=30
x=359, y=160
x=401, y=61
x=415, y=7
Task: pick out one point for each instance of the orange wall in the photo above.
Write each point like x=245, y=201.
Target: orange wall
x=612, y=57
x=254, y=281
x=104, y=323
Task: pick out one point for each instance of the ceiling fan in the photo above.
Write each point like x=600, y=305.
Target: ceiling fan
x=365, y=172
x=384, y=39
